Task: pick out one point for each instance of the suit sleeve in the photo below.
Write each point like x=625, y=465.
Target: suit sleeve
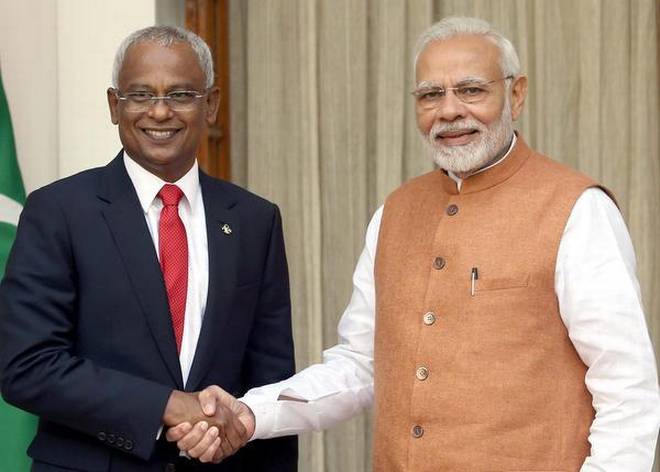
x=269, y=355
x=40, y=371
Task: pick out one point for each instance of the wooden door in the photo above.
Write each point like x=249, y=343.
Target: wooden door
x=210, y=20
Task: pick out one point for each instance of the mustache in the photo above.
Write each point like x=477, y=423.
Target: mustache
x=465, y=125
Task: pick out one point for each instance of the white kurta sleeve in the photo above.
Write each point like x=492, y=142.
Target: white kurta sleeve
x=600, y=304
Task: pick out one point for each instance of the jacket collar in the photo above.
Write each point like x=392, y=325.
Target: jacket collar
x=492, y=176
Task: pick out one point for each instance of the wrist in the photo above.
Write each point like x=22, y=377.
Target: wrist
x=175, y=409
x=248, y=419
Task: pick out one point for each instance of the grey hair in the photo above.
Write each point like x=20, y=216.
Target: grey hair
x=166, y=36
x=456, y=25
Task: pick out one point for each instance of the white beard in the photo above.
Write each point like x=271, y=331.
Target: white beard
x=476, y=154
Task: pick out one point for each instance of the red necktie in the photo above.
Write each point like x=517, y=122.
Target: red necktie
x=173, y=257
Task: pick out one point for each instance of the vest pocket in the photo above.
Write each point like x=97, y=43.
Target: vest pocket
x=491, y=281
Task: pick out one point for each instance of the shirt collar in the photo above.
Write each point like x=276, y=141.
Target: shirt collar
x=459, y=181
x=147, y=185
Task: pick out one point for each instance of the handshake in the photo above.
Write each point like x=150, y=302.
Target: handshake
x=209, y=425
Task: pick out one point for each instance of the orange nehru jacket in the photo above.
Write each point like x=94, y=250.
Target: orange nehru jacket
x=483, y=380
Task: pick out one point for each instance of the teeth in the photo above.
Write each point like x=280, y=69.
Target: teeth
x=160, y=134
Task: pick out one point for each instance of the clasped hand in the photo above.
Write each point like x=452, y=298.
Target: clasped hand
x=210, y=425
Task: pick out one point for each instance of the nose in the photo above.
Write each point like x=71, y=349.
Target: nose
x=450, y=108
x=160, y=110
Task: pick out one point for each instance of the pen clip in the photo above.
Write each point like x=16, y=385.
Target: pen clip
x=474, y=276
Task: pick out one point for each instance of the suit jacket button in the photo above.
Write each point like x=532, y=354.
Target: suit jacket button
x=170, y=467
x=128, y=445
x=417, y=431
x=101, y=436
x=452, y=209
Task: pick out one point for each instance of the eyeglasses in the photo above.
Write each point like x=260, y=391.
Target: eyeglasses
x=473, y=91
x=177, y=100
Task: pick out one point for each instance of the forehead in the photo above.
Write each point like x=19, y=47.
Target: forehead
x=149, y=63
x=448, y=61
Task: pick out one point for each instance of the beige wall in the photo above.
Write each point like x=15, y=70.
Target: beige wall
x=28, y=58
x=56, y=59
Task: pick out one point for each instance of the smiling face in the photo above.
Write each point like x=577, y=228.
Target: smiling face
x=464, y=137
x=162, y=141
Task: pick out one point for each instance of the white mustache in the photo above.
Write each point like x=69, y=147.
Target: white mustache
x=440, y=128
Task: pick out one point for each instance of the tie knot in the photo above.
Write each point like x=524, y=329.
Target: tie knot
x=170, y=195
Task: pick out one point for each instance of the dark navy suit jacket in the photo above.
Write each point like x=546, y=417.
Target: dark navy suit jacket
x=86, y=341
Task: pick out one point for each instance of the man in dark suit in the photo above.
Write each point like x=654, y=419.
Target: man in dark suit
x=130, y=285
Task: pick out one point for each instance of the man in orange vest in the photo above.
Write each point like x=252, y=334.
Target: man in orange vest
x=496, y=321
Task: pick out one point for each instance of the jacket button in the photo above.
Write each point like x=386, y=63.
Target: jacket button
x=422, y=373
x=429, y=318
x=439, y=263
x=417, y=431
x=452, y=210
x=101, y=436
x=128, y=445
x=120, y=441
x=170, y=468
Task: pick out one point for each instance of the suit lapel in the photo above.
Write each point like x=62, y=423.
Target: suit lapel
x=223, y=236
x=127, y=224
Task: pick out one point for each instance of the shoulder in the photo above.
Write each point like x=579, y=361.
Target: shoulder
x=425, y=182
x=553, y=171
x=70, y=190
x=234, y=196
x=552, y=174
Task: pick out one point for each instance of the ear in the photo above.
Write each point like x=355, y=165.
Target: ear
x=212, y=104
x=518, y=95
x=113, y=103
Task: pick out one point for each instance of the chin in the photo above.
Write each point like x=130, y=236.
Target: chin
x=460, y=159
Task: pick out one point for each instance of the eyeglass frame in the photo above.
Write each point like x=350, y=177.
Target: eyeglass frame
x=419, y=91
x=167, y=99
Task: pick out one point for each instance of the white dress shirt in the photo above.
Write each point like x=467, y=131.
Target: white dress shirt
x=191, y=212
x=600, y=304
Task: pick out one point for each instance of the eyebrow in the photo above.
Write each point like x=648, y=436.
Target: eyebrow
x=183, y=86
x=427, y=84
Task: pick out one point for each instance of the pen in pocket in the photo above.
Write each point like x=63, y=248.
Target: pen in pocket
x=473, y=280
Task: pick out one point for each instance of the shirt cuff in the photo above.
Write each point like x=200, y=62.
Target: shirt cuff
x=264, y=417
x=264, y=405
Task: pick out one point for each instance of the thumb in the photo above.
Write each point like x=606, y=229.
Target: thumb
x=207, y=399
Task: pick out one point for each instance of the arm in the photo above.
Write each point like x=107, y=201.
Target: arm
x=600, y=305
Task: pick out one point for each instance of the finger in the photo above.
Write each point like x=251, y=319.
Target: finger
x=206, y=442
x=226, y=448
x=208, y=455
x=207, y=400
x=177, y=432
x=191, y=439
x=219, y=454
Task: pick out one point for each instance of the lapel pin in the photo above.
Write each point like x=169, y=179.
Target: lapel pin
x=226, y=228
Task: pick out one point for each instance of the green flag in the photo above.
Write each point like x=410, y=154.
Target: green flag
x=16, y=427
